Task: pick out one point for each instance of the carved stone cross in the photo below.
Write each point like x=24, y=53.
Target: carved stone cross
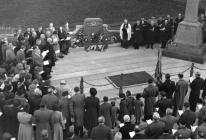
x=191, y=13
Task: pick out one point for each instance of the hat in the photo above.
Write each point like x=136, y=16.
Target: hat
x=32, y=87
x=156, y=116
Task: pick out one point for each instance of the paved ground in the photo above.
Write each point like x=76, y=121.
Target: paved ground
x=95, y=66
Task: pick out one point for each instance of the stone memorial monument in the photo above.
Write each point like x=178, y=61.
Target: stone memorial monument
x=188, y=42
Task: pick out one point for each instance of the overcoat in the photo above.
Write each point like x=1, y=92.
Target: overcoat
x=77, y=109
x=149, y=95
x=91, y=112
x=106, y=111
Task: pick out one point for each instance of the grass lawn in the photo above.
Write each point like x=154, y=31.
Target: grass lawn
x=41, y=12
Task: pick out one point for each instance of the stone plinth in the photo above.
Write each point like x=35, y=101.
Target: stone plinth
x=189, y=33
x=188, y=43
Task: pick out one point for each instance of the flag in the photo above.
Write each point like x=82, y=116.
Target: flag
x=192, y=70
x=121, y=85
x=82, y=85
x=158, y=69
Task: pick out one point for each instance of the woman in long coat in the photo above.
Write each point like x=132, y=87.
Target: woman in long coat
x=57, y=123
x=91, y=111
x=25, y=127
x=106, y=111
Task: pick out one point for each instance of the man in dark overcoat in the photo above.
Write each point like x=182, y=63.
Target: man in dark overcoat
x=180, y=93
x=62, y=36
x=149, y=95
x=196, y=85
x=164, y=35
x=151, y=34
x=50, y=58
x=144, y=25
x=106, y=111
x=137, y=35
x=77, y=111
x=168, y=86
x=123, y=107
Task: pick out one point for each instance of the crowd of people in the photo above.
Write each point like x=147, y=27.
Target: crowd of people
x=38, y=50
x=26, y=62
x=147, y=32
x=31, y=108
x=40, y=111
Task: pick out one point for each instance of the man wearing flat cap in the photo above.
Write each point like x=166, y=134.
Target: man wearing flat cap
x=196, y=85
